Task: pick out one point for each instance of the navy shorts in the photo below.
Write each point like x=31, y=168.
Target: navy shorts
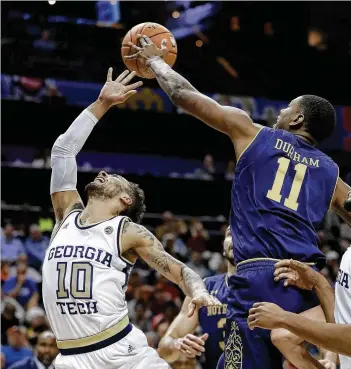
x=254, y=282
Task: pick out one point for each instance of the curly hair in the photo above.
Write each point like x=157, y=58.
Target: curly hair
x=320, y=116
x=137, y=210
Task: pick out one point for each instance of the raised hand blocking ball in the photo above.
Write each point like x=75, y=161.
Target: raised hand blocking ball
x=156, y=33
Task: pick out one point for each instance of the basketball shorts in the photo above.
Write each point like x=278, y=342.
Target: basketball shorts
x=131, y=352
x=254, y=282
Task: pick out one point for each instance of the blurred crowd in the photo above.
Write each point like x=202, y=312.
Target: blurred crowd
x=208, y=171
x=153, y=302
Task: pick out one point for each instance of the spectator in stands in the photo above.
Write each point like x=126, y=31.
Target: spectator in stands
x=31, y=272
x=16, y=349
x=168, y=225
x=11, y=247
x=198, y=236
x=5, y=271
x=8, y=320
x=196, y=263
x=44, y=43
x=22, y=288
x=35, y=246
x=344, y=244
x=198, y=230
x=333, y=261
x=170, y=311
x=44, y=354
x=158, y=300
x=229, y=174
x=175, y=246
x=169, y=289
x=142, y=318
x=207, y=171
x=37, y=322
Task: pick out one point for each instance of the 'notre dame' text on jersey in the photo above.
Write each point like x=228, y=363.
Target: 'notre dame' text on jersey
x=282, y=189
x=85, y=278
x=212, y=319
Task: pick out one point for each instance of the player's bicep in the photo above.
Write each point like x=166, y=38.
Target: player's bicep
x=340, y=196
x=150, y=249
x=234, y=122
x=227, y=119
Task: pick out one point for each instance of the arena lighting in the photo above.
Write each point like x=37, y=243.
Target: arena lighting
x=175, y=14
x=199, y=43
x=52, y=2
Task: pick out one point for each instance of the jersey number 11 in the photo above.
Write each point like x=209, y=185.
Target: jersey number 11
x=275, y=192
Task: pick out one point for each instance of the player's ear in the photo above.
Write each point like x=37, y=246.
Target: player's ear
x=297, y=121
x=126, y=199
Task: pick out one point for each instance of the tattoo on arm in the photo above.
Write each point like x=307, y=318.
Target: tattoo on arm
x=170, y=81
x=174, y=270
x=190, y=282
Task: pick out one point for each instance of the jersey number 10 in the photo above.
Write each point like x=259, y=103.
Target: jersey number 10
x=275, y=192
x=81, y=271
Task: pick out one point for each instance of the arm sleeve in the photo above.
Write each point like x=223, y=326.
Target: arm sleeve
x=65, y=150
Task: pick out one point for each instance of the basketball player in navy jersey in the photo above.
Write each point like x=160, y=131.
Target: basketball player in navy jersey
x=282, y=189
x=179, y=338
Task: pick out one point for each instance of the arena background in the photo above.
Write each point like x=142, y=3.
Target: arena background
x=255, y=56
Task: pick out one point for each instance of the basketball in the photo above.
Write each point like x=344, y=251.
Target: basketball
x=156, y=33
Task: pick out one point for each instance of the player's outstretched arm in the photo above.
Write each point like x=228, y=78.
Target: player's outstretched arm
x=234, y=122
x=179, y=338
x=332, y=337
x=144, y=244
x=63, y=191
x=341, y=202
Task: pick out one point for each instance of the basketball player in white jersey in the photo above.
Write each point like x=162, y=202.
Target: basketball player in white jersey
x=333, y=337
x=92, y=251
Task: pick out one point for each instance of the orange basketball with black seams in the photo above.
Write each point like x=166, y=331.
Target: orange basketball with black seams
x=156, y=33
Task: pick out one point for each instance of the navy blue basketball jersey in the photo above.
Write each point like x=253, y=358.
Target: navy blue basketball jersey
x=212, y=319
x=282, y=189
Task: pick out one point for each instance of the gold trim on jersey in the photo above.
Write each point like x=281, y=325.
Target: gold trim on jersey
x=119, y=241
x=95, y=338
x=249, y=144
x=263, y=259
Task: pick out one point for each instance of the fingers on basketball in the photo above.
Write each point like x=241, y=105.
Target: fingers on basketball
x=155, y=33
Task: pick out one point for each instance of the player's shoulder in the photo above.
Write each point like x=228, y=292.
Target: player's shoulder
x=131, y=228
x=136, y=233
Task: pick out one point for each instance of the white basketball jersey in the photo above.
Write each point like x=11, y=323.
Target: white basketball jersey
x=343, y=299
x=85, y=278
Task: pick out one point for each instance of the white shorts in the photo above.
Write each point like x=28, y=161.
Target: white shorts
x=131, y=352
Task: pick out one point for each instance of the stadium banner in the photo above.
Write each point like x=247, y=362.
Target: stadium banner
x=82, y=94
x=54, y=91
